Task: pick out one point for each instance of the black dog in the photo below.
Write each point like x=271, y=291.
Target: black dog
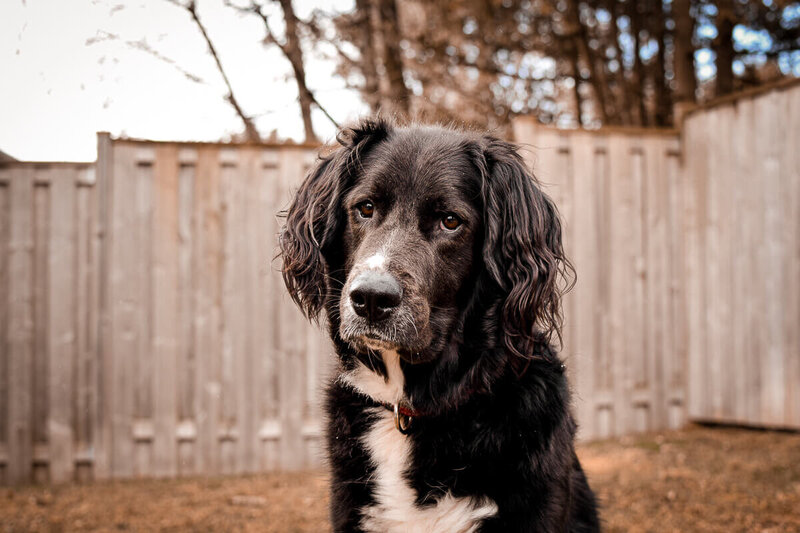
x=439, y=264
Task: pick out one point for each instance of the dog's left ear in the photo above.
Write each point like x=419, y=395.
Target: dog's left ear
x=522, y=249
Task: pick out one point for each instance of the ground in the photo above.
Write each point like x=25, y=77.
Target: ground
x=697, y=479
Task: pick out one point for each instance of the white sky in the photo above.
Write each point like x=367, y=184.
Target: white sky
x=57, y=91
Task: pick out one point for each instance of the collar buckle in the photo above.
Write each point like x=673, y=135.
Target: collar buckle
x=401, y=421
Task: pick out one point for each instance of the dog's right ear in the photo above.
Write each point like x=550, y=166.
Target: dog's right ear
x=314, y=220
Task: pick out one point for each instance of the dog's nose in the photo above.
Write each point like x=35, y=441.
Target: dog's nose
x=375, y=294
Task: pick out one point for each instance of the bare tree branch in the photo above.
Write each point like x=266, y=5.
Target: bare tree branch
x=143, y=46
x=290, y=48
x=250, y=130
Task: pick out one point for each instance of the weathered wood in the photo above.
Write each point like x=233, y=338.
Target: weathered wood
x=694, y=150
x=208, y=311
x=125, y=295
x=40, y=284
x=790, y=187
x=86, y=330
x=165, y=310
x=675, y=354
x=292, y=342
x=586, y=347
x=61, y=317
x=20, y=327
x=5, y=289
x=269, y=285
x=103, y=432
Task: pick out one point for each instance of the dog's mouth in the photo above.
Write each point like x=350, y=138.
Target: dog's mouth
x=371, y=338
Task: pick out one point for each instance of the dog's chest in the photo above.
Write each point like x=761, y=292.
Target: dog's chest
x=395, y=509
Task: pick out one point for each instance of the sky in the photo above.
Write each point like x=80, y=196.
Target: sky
x=71, y=68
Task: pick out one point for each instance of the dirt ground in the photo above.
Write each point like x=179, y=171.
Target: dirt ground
x=698, y=479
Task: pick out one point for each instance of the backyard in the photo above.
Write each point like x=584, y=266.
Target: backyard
x=697, y=479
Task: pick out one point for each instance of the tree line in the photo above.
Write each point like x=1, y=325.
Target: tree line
x=566, y=62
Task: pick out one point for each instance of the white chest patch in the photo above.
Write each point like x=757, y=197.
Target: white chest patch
x=395, y=509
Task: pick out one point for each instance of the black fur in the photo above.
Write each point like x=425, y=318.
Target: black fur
x=481, y=305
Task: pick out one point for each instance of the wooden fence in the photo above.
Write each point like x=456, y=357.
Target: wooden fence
x=619, y=197
x=687, y=247
x=148, y=331
x=145, y=330
x=742, y=238
x=48, y=283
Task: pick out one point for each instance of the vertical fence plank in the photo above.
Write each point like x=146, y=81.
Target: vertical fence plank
x=124, y=304
x=165, y=327
x=86, y=319
x=742, y=286
x=5, y=305
x=773, y=363
x=790, y=193
x=694, y=184
x=254, y=240
x=40, y=286
x=207, y=302
x=232, y=306
x=186, y=362
x=61, y=318
x=20, y=327
x=586, y=290
x=754, y=244
x=656, y=296
x=102, y=445
x=675, y=356
x=143, y=235
x=621, y=284
x=270, y=289
x=293, y=342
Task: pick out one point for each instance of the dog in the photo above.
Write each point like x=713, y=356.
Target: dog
x=438, y=262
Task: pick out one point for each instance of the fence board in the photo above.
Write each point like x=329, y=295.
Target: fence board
x=790, y=184
x=86, y=330
x=5, y=291
x=20, y=327
x=624, y=320
x=186, y=363
x=61, y=316
x=208, y=313
x=165, y=310
x=746, y=371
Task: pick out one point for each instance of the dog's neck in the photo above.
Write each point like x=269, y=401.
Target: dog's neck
x=385, y=389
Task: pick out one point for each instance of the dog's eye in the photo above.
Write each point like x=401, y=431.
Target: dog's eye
x=450, y=222
x=366, y=209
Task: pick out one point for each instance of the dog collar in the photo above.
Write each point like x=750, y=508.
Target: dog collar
x=403, y=416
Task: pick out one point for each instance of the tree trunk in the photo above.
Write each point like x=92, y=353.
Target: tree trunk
x=294, y=53
x=624, y=100
x=723, y=46
x=366, y=20
x=662, y=114
x=397, y=95
x=685, y=79
x=638, y=66
x=249, y=127
x=577, y=32
x=576, y=75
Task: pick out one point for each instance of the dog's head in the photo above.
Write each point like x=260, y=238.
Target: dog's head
x=419, y=238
